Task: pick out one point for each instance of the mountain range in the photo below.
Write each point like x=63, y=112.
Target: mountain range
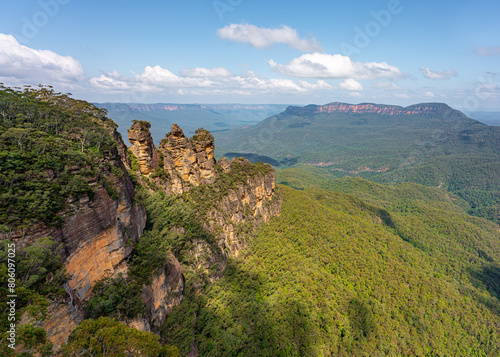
x=429, y=143
x=213, y=117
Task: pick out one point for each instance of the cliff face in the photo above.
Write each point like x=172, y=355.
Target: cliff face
x=191, y=160
x=96, y=234
x=100, y=236
x=164, y=293
x=253, y=202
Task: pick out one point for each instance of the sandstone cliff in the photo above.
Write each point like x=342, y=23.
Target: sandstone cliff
x=95, y=234
x=164, y=292
x=363, y=108
x=251, y=202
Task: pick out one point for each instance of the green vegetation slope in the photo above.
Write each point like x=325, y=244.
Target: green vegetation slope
x=402, y=271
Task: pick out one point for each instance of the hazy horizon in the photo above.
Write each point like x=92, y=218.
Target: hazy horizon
x=396, y=52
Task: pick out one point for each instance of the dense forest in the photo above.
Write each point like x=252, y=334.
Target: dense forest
x=340, y=275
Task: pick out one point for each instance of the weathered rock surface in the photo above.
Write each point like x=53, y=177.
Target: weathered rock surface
x=63, y=319
x=121, y=147
x=203, y=143
x=189, y=162
x=95, y=236
x=165, y=292
x=185, y=162
x=254, y=202
x=143, y=147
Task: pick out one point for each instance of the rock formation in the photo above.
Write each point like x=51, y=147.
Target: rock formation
x=187, y=163
x=253, y=202
x=192, y=160
x=143, y=147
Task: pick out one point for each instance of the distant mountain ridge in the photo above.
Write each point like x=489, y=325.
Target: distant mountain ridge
x=213, y=117
x=426, y=143
x=362, y=108
x=144, y=107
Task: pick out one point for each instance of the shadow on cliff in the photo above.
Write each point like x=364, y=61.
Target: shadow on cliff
x=236, y=317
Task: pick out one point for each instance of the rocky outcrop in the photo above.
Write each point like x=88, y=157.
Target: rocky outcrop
x=143, y=147
x=180, y=160
x=120, y=147
x=184, y=162
x=99, y=234
x=251, y=203
x=164, y=292
x=63, y=319
x=97, y=239
x=191, y=160
x=203, y=143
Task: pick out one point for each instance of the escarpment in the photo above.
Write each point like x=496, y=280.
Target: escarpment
x=247, y=204
x=96, y=235
x=244, y=190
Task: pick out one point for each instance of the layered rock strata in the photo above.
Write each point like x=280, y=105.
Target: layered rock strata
x=143, y=147
x=253, y=202
x=95, y=236
x=185, y=162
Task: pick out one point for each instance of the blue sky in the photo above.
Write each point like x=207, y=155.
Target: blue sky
x=252, y=51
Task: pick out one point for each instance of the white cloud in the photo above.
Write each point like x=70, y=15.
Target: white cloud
x=487, y=51
x=429, y=94
x=205, y=72
x=202, y=81
x=21, y=63
x=320, y=84
x=158, y=76
x=261, y=37
x=386, y=85
x=351, y=84
x=429, y=73
x=487, y=90
x=322, y=65
x=114, y=82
